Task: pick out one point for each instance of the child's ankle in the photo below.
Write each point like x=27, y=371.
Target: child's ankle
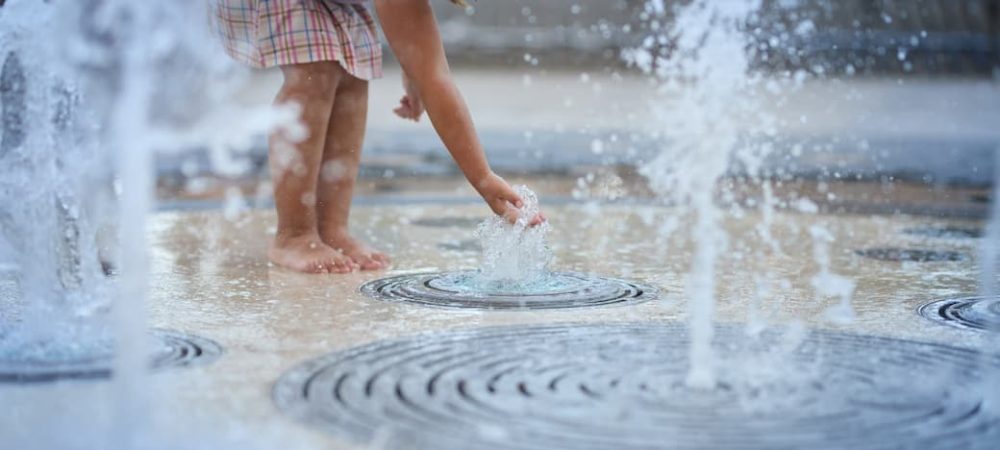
x=334, y=232
x=295, y=234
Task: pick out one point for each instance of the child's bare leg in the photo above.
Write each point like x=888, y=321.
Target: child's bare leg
x=341, y=158
x=295, y=171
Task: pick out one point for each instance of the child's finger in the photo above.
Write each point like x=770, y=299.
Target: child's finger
x=403, y=111
x=513, y=198
x=502, y=208
x=511, y=215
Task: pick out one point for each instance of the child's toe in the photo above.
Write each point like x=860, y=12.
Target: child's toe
x=330, y=266
x=367, y=262
x=344, y=267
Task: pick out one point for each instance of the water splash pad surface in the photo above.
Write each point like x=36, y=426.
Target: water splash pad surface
x=622, y=386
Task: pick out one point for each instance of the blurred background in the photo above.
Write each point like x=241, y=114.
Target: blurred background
x=897, y=102
x=940, y=36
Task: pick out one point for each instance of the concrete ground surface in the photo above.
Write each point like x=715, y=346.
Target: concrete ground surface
x=210, y=277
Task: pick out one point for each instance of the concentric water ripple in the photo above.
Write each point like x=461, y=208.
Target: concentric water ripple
x=564, y=290
x=172, y=349
x=621, y=386
x=971, y=313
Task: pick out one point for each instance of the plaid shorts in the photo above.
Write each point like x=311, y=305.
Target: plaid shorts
x=268, y=33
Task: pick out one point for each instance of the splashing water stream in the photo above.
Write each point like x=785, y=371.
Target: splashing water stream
x=989, y=284
x=518, y=252
x=515, y=258
x=705, y=96
x=112, y=83
x=711, y=120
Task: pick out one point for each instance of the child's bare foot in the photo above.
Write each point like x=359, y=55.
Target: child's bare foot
x=363, y=255
x=310, y=255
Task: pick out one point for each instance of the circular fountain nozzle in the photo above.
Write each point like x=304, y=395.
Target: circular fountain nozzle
x=970, y=313
x=892, y=254
x=462, y=290
x=171, y=349
x=621, y=386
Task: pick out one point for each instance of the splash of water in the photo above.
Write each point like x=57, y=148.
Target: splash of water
x=826, y=283
x=97, y=87
x=989, y=285
x=705, y=98
x=49, y=193
x=516, y=256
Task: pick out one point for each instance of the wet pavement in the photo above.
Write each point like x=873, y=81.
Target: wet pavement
x=210, y=278
x=544, y=120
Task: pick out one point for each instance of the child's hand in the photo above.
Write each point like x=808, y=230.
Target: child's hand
x=503, y=200
x=410, y=106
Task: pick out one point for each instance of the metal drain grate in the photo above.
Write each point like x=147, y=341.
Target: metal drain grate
x=621, y=386
x=173, y=349
x=576, y=291
x=946, y=232
x=970, y=313
x=911, y=255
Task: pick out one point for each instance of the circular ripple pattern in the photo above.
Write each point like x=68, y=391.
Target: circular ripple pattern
x=621, y=386
x=971, y=313
x=912, y=255
x=172, y=349
x=575, y=291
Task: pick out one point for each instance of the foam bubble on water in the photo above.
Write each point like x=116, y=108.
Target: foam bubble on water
x=514, y=254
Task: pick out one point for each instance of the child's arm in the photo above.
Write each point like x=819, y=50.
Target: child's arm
x=412, y=33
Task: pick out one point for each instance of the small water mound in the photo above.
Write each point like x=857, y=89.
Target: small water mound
x=893, y=254
x=969, y=313
x=467, y=290
x=172, y=349
x=622, y=386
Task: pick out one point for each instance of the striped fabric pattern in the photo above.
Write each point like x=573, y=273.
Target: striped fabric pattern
x=268, y=33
